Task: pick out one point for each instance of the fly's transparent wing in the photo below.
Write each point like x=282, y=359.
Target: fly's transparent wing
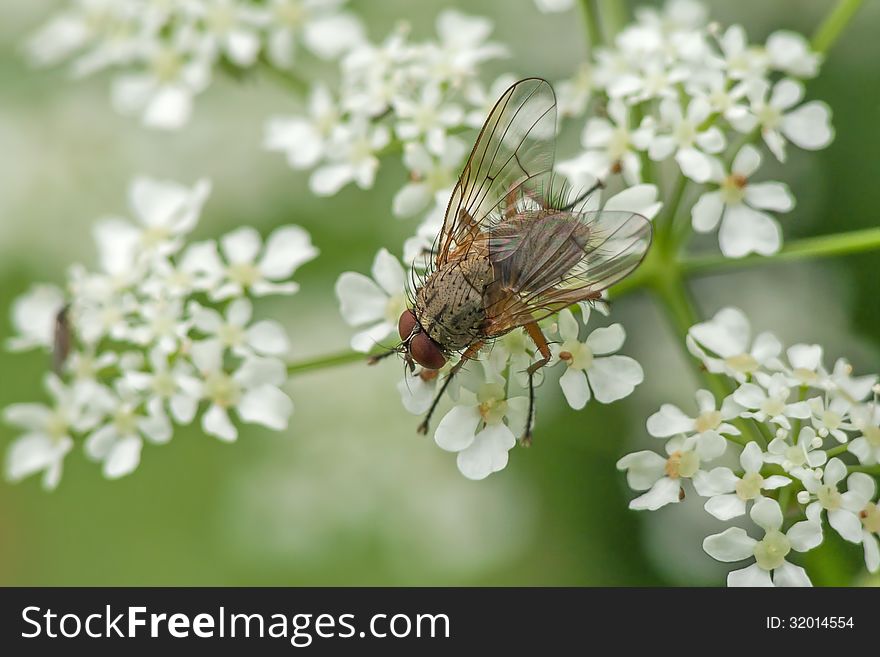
x=515, y=145
x=548, y=259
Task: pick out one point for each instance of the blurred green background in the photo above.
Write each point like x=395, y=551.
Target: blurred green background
x=350, y=494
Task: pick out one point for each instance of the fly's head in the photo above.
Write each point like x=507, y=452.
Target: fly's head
x=417, y=345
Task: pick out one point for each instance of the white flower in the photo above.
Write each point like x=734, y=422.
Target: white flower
x=807, y=126
x=842, y=508
x=265, y=338
x=33, y=317
x=378, y=302
x=475, y=429
x=741, y=60
x=351, y=155
x=48, y=432
x=801, y=458
x=431, y=172
x=610, y=377
x=171, y=380
x=805, y=366
x=163, y=93
x=831, y=419
x=727, y=336
x=789, y=52
x=303, y=139
x=254, y=268
x=230, y=28
x=737, y=204
x=118, y=442
x=770, y=402
x=687, y=138
x=573, y=94
x=430, y=116
x=728, y=493
x=770, y=552
x=662, y=477
x=462, y=46
x=161, y=322
x=325, y=31
x=853, y=388
x=670, y=419
x=252, y=390
x=166, y=212
x=610, y=145
x=866, y=447
x=862, y=488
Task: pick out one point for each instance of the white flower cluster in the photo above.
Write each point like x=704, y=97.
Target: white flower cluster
x=397, y=93
x=167, y=51
x=490, y=394
x=674, y=89
x=789, y=477
x=162, y=330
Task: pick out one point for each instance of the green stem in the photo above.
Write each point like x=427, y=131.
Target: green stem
x=835, y=22
x=823, y=246
x=868, y=469
x=834, y=451
x=614, y=16
x=591, y=24
x=322, y=362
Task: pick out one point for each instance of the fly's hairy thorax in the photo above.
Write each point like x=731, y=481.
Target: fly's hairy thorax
x=451, y=305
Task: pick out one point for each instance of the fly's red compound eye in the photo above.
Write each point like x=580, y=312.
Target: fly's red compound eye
x=406, y=323
x=426, y=352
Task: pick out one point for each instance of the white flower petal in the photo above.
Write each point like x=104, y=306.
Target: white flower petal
x=488, y=453
x=574, y=387
x=614, y=377
x=767, y=514
x=706, y=212
x=809, y=126
x=606, y=340
x=241, y=245
x=664, y=491
x=846, y=523
x=668, y=421
x=456, y=430
x=287, y=248
x=643, y=469
x=360, y=299
x=752, y=576
x=733, y=544
x=769, y=196
x=268, y=337
x=790, y=575
x=216, y=422
x=124, y=457
x=725, y=507
x=266, y=405
x=745, y=231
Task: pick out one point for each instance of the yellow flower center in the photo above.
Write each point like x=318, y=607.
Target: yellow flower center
x=682, y=465
x=744, y=363
x=772, y=550
x=708, y=421
x=749, y=487
x=222, y=389
x=829, y=497
x=870, y=516
x=244, y=273
x=493, y=405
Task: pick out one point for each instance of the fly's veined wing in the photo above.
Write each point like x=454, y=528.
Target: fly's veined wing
x=548, y=259
x=516, y=144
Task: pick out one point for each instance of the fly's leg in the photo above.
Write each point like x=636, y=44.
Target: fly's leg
x=540, y=341
x=468, y=354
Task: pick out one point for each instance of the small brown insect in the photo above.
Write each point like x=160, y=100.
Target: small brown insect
x=513, y=250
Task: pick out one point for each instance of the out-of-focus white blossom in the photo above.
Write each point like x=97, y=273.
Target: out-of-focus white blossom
x=160, y=331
